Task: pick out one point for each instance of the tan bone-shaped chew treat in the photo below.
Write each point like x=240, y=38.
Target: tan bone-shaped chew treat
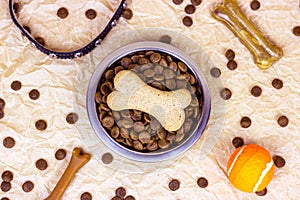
x=264, y=51
x=166, y=106
x=78, y=159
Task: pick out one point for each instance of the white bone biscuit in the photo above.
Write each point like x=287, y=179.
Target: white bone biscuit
x=166, y=106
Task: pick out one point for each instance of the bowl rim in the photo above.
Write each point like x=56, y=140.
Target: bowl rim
x=120, y=149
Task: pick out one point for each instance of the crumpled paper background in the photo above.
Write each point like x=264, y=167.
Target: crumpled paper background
x=63, y=84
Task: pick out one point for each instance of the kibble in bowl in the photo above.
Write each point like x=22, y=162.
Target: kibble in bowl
x=148, y=101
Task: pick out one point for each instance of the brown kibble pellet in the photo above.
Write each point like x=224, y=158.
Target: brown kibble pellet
x=283, y=121
x=34, y=94
x=256, y=91
x=255, y=5
x=125, y=62
x=27, y=186
x=277, y=83
x=215, y=72
x=166, y=39
x=190, y=9
x=116, y=198
x=182, y=66
x=90, y=14
x=174, y=184
x=5, y=186
x=279, y=161
x=120, y=192
x=7, y=176
x=60, y=154
x=16, y=85
x=262, y=193
x=245, y=122
x=40, y=40
x=202, y=182
x=229, y=54
x=129, y=197
x=108, y=121
x=177, y=2
x=225, y=94
x=9, y=142
x=72, y=118
x=232, y=65
x=27, y=29
x=127, y=13
x=1, y=113
x=237, y=142
x=86, y=196
x=107, y=158
x=196, y=2
x=187, y=21
x=155, y=57
x=16, y=7
x=296, y=30
x=62, y=13
x=41, y=125
x=4, y=198
x=41, y=164
x=2, y=103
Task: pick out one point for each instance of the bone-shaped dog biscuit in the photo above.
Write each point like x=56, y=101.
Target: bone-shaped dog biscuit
x=132, y=93
x=264, y=51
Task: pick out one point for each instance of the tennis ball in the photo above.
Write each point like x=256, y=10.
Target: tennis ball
x=250, y=168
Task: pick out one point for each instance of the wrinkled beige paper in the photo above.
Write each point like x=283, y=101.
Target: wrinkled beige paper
x=63, y=84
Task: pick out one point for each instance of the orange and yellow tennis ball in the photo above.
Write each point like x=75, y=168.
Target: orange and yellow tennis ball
x=250, y=168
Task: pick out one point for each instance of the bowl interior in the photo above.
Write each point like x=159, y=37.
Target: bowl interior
x=162, y=144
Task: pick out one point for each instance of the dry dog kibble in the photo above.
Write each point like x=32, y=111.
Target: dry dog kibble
x=177, y=2
x=27, y=186
x=62, y=13
x=5, y=186
x=215, y=72
x=72, y=118
x=190, y=9
x=232, y=65
x=90, y=14
x=196, y=2
x=127, y=13
x=245, y=122
x=225, y=94
x=283, y=121
x=9, y=142
x=16, y=85
x=174, y=184
x=262, y=193
x=256, y=91
x=296, y=30
x=279, y=161
x=229, y=54
x=166, y=39
x=60, y=154
x=255, y=5
x=107, y=158
x=237, y=142
x=40, y=40
x=34, y=94
x=2, y=104
x=202, y=182
x=41, y=125
x=120, y=192
x=187, y=21
x=7, y=176
x=41, y=164
x=129, y=197
x=86, y=196
x=116, y=198
x=277, y=83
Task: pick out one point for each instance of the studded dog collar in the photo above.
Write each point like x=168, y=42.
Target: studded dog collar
x=73, y=54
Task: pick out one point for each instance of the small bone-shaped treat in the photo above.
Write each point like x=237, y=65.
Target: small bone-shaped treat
x=132, y=93
x=78, y=159
x=264, y=51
